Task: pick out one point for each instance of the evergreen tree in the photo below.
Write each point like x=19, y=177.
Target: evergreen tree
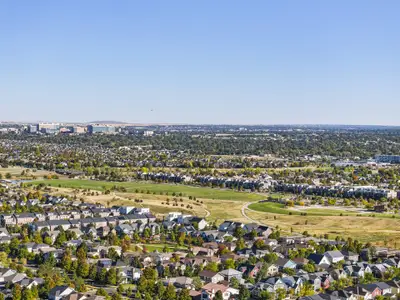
x=17, y=292
x=170, y=293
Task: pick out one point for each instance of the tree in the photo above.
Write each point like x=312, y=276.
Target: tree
x=240, y=244
x=280, y=294
x=101, y=292
x=27, y=294
x=218, y=296
x=197, y=283
x=309, y=268
x=244, y=293
x=83, y=269
x=259, y=244
x=170, y=293
x=128, y=292
x=234, y=283
x=212, y=266
x=150, y=273
x=120, y=289
x=17, y=292
x=112, y=276
x=229, y=264
x=116, y=296
x=113, y=254
x=80, y=285
x=184, y=295
x=3, y=258
x=102, y=276
x=265, y=295
x=289, y=271
x=60, y=239
x=93, y=272
x=306, y=290
x=270, y=258
x=159, y=290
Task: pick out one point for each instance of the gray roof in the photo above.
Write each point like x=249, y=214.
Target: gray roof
x=230, y=272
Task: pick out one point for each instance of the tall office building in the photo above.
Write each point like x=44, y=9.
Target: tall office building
x=32, y=128
x=97, y=128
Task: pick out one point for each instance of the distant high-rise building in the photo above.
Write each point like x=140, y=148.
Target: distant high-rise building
x=93, y=129
x=49, y=128
x=32, y=128
x=78, y=129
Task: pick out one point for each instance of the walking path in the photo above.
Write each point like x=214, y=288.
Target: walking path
x=246, y=206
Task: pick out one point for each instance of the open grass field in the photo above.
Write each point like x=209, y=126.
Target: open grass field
x=380, y=231
x=278, y=208
x=160, y=247
x=198, y=192
x=16, y=172
x=219, y=209
x=219, y=205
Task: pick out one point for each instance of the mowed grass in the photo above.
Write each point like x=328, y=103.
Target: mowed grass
x=279, y=208
x=198, y=192
x=159, y=247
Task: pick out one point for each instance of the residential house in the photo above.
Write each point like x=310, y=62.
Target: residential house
x=112, y=221
x=210, y=276
x=24, y=218
x=210, y=289
x=283, y=263
x=395, y=285
x=231, y=273
x=354, y=271
x=59, y=292
x=319, y=259
x=203, y=251
x=55, y=224
x=38, y=226
x=99, y=222
x=365, y=291
x=101, y=212
x=40, y=217
x=103, y=231
x=125, y=229
x=350, y=256
x=129, y=274
x=271, y=285
x=124, y=210
x=52, y=215
x=334, y=256
x=181, y=282
x=7, y=219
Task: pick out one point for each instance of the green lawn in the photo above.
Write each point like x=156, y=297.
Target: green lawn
x=160, y=247
x=198, y=192
x=126, y=286
x=278, y=208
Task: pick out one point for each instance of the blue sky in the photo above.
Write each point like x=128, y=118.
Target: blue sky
x=241, y=62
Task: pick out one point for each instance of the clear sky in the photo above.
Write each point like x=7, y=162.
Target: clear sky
x=241, y=62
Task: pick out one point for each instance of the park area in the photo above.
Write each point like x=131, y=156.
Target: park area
x=218, y=205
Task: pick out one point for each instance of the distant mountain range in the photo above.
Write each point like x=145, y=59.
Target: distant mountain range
x=108, y=122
